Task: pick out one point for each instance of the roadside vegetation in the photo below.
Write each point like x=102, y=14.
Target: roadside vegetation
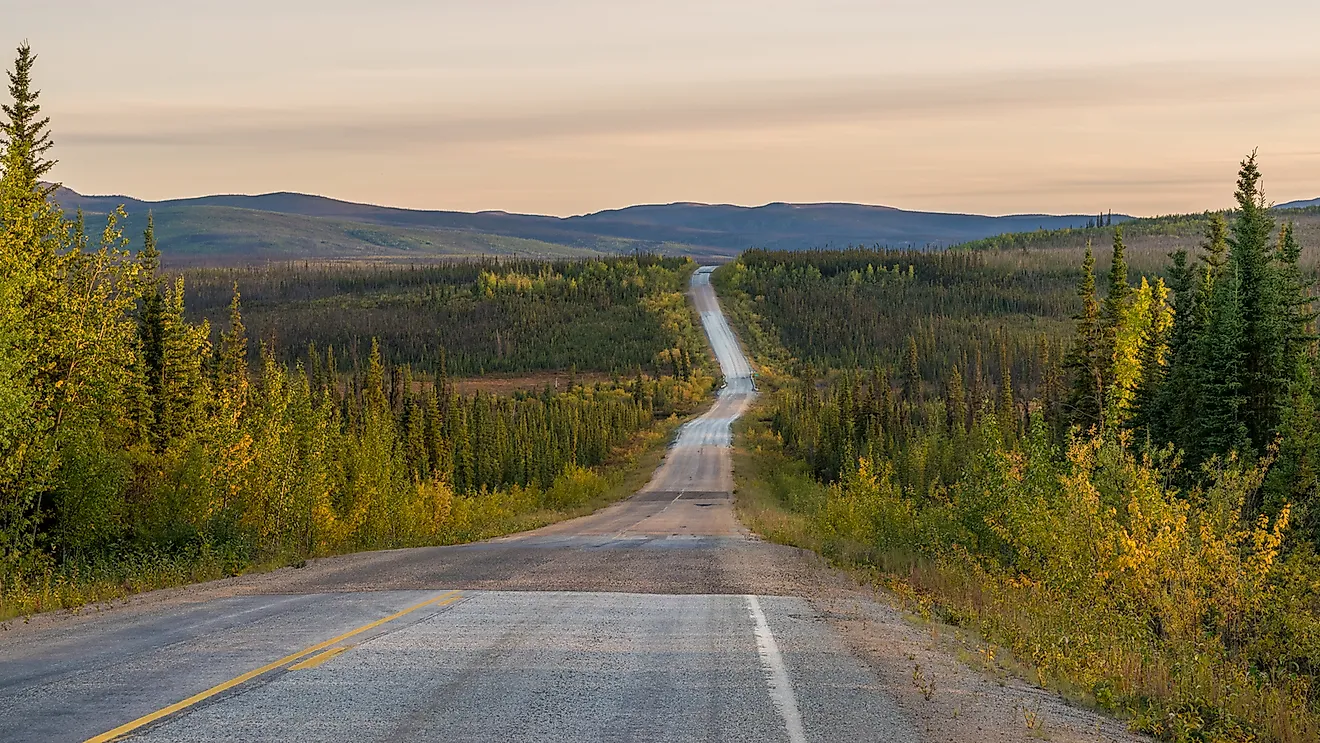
x=151, y=439
x=1117, y=483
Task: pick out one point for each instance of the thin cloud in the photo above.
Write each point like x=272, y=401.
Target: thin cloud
x=709, y=109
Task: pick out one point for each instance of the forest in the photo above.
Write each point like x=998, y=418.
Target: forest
x=154, y=430
x=613, y=315
x=1114, y=477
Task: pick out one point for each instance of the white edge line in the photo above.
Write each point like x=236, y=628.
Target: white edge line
x=776, y=674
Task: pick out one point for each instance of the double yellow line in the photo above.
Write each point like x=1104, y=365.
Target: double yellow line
x=128, y=727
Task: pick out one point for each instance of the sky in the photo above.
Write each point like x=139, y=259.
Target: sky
x=572, y=106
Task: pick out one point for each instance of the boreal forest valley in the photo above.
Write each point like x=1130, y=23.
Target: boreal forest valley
x=1094, y=448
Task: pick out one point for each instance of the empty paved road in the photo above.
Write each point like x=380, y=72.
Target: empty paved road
x=657, y=619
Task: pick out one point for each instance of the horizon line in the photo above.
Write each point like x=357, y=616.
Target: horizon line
x=606, y=210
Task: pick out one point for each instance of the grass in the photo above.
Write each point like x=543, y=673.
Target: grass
x=76, y=585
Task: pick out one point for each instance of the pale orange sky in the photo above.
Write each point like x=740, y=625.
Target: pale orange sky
x=571, y=106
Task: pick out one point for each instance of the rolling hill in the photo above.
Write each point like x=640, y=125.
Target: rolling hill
x=289, y=226
x=1149, y=241
x=1305, y=204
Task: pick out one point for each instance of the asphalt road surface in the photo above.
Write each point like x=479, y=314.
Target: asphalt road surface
x=657, y=619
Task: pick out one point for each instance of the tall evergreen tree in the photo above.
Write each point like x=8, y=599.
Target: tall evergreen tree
x=373, y=391
x=1008, y=420
x=1215, y=255
x=151, y=313
x=1221, y=418
x=1116, y=298
x=1262, y=314
x=1294, y=479
x=1086, y=360
x=1050, y=390
x=912, y=373
x=231, y=359
x=183, y=388
x=1150, y=419
x=24, y=132
x=976, y=395
x=955, y=406
x=1296, y=303
x=1166, y=411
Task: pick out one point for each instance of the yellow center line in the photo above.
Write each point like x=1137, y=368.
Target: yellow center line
x=106, y=737
x=317, y=660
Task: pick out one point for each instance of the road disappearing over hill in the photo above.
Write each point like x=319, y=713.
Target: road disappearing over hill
x=657, y=619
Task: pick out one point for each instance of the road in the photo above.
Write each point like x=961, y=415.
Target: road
x=656, y=619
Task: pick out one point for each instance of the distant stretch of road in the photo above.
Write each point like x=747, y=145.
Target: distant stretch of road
x=657, y=619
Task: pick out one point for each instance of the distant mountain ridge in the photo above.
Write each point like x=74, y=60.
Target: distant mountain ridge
x=226, y=227
x=1306, y=204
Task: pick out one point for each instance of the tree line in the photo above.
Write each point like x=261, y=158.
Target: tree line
x=916, y=315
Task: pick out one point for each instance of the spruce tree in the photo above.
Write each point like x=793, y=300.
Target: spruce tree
x=1168, y=411
x=413, y=426
x=1050, y=390
x=1008, y=421
x=1116, y=298
x=330, y=374
x=231, y=361
x=1261, y=308
x=1215, y=255
x=460, y=437
x=151, y=314
x=183, y=388
x=912, y=373
x=25, y=132
x=1085, y=362
x=977, y=394
x=1150, y=418
x=437, y=450
x=1296, y=310
x=955, y=405
x=1221, y=417
x=1294, y=478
